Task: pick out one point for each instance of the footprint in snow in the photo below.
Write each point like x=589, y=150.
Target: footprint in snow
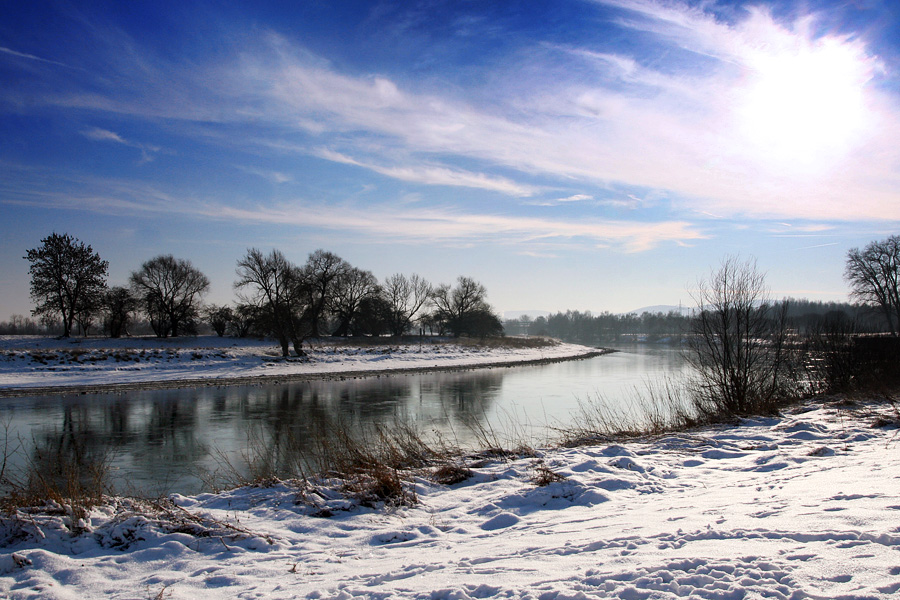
x=392, y=537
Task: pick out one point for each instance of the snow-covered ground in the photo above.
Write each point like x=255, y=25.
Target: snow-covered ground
x=806, y=505
x=34, y=362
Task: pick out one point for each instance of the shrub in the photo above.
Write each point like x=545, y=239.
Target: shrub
x=738, y=344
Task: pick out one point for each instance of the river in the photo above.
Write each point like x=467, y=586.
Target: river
x=191, y=439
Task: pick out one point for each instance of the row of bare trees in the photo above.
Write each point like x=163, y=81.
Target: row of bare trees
x=276, y=297
x=292, y=302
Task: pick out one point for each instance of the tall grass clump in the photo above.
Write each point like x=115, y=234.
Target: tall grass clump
x=62, y=472
x=370, y=464
x=659, y=407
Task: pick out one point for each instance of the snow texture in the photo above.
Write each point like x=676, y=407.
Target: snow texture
x=805, y=505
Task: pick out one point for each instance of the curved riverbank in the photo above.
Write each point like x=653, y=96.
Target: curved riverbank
x=52, y=367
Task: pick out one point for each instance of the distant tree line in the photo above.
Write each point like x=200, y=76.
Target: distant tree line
x=803, y=316
x=604, y=328
x=275, y=297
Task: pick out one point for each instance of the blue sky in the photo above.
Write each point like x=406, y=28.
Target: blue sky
x=591, y=155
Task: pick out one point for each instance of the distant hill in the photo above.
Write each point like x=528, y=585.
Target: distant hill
x=662, y=308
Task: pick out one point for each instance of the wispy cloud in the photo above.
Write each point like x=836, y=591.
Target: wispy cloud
x=11, y=52
x=376, y=223
x=276, y=177
x=104, y=135
x=576, y=198
x=435, y=175
x=454, y=227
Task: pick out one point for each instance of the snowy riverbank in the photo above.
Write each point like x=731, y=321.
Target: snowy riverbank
x=36, y=364
x=800, y=506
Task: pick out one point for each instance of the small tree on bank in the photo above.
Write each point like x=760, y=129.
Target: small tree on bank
x=218, y=317
x=67, y=279
x=321, y=274
x=737, y=343
x=406, y=297
x=352, y=288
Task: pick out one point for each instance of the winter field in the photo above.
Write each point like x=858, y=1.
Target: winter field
x=35, y=363
x=802, y=505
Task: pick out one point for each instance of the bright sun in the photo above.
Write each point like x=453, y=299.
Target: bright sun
x=805, y=107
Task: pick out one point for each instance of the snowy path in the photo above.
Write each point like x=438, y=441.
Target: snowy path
x=803, y=506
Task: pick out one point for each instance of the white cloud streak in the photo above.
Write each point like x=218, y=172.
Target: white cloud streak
x=276, y=177
x=104, y=135
x=453, y=227
x=32, y=57
x=435, y=175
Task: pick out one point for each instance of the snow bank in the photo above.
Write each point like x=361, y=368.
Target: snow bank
x=801, y=506
x=37, y=362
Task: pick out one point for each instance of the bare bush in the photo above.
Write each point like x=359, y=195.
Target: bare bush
x=737, y=345
x=544, y=475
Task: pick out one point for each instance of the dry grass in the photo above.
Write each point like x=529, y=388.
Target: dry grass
x=544, y=475
x=451, y=473
x=661, y=407
x=62, y=473
x=370, y=465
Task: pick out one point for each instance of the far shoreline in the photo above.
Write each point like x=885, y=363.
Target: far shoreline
x=275, y=379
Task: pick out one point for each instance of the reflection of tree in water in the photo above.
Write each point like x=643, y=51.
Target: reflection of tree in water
x=171, y=432
x=463, y=398
x=72, y=457
x=287, y=426
x=156, y=438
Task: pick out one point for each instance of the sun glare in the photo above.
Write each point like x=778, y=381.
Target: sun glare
x=805, y=108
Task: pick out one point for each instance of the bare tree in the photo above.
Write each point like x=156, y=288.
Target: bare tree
x=322, y=272
x=171, y=290
x=351, y=288
x=406, y=297
x=119, y=305
x=373, y=316
x=218, y=317
x=463, y=310
x=874, y=277
x=244, y=318
x=67, y=279
x=278, y=288
x=737, y=342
